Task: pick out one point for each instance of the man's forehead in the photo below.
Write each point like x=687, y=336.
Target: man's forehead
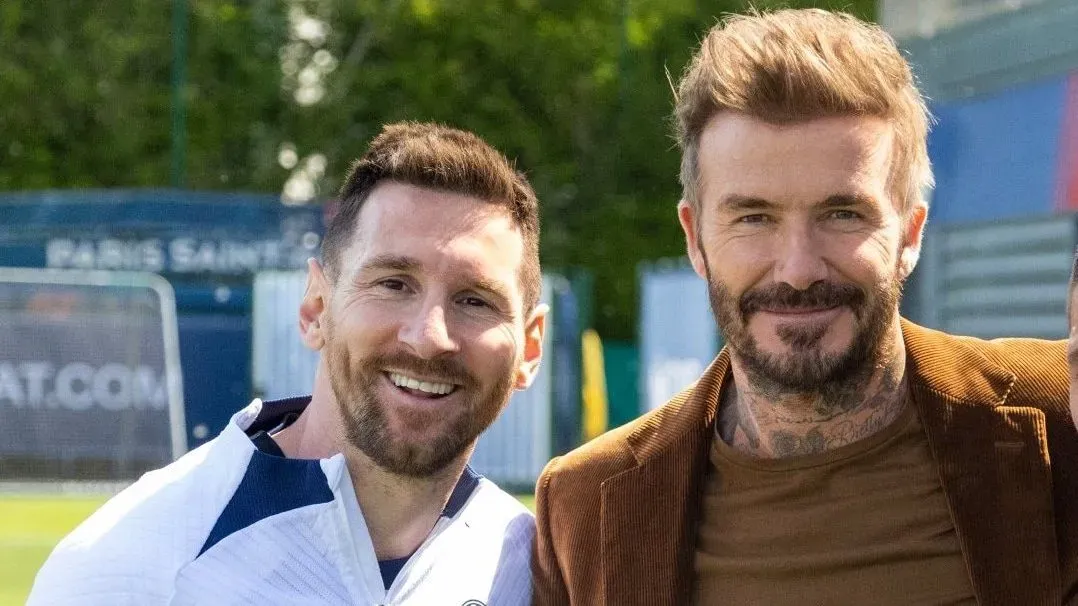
x=392, y=204
x=417, y=230
x=397, y=211
x=461, y=255
x=742, y=136
x=748, y=157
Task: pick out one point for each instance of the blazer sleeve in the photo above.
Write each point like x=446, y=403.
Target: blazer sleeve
x=549, y=586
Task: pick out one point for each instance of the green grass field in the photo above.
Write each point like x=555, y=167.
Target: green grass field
x=31, y=525
x=29, y=528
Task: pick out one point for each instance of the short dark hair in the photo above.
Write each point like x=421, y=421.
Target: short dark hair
x=442, y=158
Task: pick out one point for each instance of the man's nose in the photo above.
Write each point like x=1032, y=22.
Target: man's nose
x=800, y=258
x=428, y=333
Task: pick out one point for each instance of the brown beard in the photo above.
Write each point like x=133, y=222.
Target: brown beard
x=365, y=416
x=838, y=378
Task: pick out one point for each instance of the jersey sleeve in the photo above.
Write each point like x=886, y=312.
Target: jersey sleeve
x=130, y=550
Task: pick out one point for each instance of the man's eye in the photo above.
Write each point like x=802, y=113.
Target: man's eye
x=845, y=215
x=393, y=284
x=754, y=219
x=473, y=301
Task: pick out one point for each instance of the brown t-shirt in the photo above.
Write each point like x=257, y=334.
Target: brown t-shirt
x=866, y=523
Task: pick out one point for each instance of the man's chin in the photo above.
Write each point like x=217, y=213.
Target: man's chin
x=794, y=369
x=416, y=460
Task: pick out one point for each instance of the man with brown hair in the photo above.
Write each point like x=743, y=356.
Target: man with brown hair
x=427, y=317
x=833, y=453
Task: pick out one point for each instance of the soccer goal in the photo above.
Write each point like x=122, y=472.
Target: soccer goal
x=90, y=384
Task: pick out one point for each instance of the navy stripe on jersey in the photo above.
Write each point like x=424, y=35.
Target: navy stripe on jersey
x=464, y=488
x=390, y=569
x=246, y=511
x=469, y=479
x=266, y=444
x=272, y=485
x=276, y=412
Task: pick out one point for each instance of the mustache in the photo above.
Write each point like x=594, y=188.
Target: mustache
x=784, y=297
x=450, y=370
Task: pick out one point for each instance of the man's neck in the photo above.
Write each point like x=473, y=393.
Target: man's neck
x=400, y=512
x=765, y=424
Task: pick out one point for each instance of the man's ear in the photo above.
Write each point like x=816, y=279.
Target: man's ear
x=534, y=330
x=689, y=224
x=913, y=232
x=313, y=306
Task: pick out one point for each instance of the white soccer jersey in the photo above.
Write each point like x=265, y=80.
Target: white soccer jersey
x=229, y=524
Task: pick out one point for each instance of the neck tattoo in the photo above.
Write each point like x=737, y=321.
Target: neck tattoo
x=765, y=424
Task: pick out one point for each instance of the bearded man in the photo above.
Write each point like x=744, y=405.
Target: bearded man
x=833, y=453
x=427, y=317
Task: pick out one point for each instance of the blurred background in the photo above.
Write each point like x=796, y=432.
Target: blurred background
x=167, y=167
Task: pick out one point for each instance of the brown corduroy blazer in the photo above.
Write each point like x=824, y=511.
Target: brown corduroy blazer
x=617, y=517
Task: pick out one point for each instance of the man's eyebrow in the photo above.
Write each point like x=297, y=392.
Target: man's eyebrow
x=391, y=262
x=848, y=200
x=494, y=288
x=740, y=202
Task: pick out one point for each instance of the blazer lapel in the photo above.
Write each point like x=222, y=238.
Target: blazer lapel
x=994, y=468
x=649, y=512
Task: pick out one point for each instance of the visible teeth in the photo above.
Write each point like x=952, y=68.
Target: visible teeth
x=426, y=386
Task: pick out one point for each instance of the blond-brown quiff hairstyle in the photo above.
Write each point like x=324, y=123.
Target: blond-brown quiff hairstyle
x=796, y=65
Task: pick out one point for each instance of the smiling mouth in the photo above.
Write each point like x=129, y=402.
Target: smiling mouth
x=420, y=387
x=800, y=311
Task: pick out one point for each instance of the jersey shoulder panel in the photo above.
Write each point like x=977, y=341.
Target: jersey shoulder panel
x=130, y=549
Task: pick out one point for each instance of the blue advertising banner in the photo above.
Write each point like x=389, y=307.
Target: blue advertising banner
x=159, y=231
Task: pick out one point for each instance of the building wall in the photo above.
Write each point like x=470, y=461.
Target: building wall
x=1003, y=86
x=1002, y=82
x=905, y=18
x=1005, y=155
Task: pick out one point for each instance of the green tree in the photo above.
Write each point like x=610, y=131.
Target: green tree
x=283, y=94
